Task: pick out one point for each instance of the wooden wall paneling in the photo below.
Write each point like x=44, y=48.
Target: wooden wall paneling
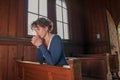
x=94, y=18
x=76, y=22
x=21, y=15
x=29, y=53
x=95, y=24
x=73, y=49
x=97, y=48
x=20, y=51
x=94, y=66
x=34, y=51
x=3, y=62
x=12, y=18
x=101, y=23
x=87, y=12
x=51, y=13
x=12, y=50
x=4, y=10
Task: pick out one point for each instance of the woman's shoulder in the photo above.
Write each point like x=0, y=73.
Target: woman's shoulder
x=56, y=36
x=56, y=40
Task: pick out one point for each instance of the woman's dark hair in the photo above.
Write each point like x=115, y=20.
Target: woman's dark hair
x=43, y=22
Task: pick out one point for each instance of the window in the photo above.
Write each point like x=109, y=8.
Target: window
x=36, y=9
x=62, y=19
x=39, y=8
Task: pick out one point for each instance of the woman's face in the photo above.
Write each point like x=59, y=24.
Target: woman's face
x=41, y=31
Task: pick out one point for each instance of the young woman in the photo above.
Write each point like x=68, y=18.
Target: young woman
x=49, y=46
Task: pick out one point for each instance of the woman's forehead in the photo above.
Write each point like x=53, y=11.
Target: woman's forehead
x=38, y=27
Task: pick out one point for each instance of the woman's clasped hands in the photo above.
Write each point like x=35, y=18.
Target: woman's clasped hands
x=36, y=41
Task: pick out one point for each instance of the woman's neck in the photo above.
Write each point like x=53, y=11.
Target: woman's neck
x=47, y=39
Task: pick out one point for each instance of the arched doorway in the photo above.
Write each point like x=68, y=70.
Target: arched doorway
x=113, y=34
x=114, y=37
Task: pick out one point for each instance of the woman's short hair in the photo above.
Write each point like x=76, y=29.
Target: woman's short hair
x=43, y=22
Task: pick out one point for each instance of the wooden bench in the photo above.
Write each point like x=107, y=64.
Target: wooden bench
x=27, y=70
x=90, y=67
x=99, y=66
x=94, y=68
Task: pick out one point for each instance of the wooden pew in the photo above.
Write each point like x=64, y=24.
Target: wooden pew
x=90, y=67
x=98, y=67
x=94, y=68
x=27, y=70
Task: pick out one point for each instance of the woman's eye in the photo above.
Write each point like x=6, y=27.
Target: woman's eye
x=38, y=29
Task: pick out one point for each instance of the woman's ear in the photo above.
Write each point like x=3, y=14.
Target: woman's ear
x=46, y=29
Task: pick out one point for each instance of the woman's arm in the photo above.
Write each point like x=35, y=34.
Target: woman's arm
x=39, y=56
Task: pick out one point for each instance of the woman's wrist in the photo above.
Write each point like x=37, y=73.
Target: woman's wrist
x=38, y=45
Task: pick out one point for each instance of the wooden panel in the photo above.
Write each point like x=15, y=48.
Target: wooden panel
x=95, y=19
x=4, y=11
x=96, y=66
x=29, y=53
x=11, y=64
x=29, y=72
x=12, y=18
x=20, y=52
x=95, y=23
x=3, y=62
x=96, y=47
x=76, y=20
x=11, y=50
x=21, y=18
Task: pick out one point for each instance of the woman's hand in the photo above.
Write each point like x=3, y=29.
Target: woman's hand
x=36, y=41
